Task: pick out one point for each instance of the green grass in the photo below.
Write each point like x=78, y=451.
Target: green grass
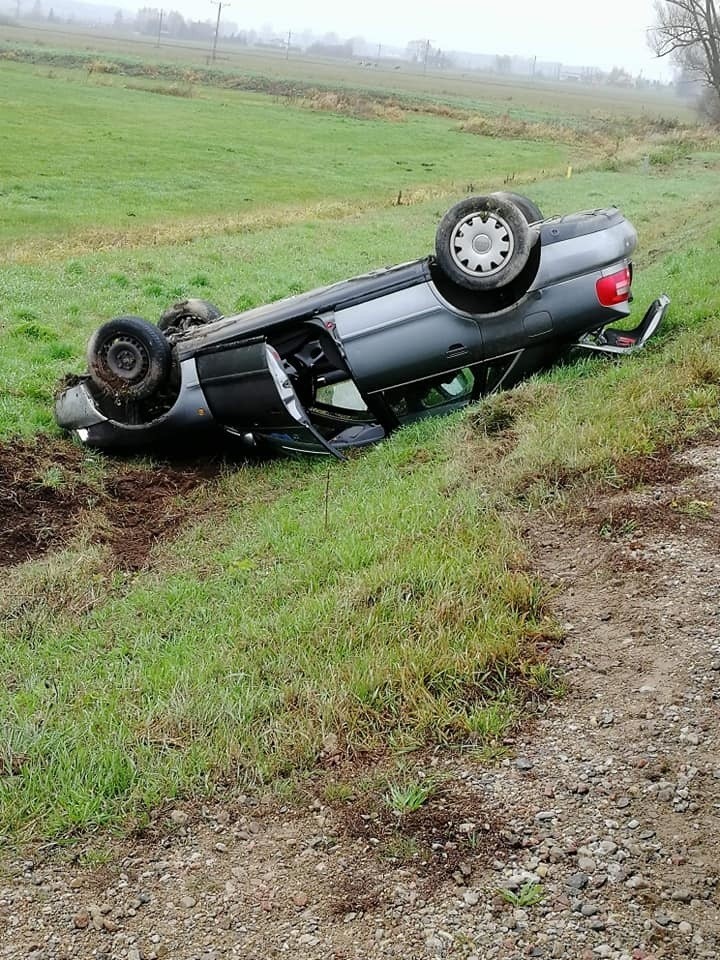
x=528, y=895
x=409, y=616
x=240, y=664
x=406, y=797
x=147, y=160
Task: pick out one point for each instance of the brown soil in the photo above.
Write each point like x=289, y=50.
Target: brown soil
x=49, y=494
x=36, y=515
x=144, y=507
x=434, y=838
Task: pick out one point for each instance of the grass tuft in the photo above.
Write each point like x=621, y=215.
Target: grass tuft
x=528, y=895
x=403, y=798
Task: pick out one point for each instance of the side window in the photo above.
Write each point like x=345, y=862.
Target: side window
x=449, y=391
x=430, y=396
x=344, y=395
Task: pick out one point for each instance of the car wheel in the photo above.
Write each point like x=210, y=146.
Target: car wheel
x=184, y=314
x=483, y=243
x=129, y=358
x=531, y=211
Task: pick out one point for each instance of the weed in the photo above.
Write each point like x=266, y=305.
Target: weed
x=402, y=848
x=404, y=742
x=34, y=331
x=527, y=896
x=403, y=798
x=612, y=529
x=339, y=792
x=545, y=680
x=53, y=478
x=491, y=754
x=92, y=858
x=700, y=509
x=490, y=722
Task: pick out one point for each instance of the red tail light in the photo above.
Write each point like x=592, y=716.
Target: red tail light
x=615, y=288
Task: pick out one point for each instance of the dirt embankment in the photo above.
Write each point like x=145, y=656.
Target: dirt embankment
x=596, y=836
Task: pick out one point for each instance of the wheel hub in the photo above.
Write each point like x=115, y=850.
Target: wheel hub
x=482, y=243
x=126, y=359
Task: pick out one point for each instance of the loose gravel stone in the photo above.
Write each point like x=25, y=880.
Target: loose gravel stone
x=578, y=881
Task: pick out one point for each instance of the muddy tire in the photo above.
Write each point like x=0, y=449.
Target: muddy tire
x=129, y=358
x=531, y=211
x=483, y=243
x=185, y=314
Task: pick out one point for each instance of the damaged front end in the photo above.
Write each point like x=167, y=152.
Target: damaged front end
x=241, y=389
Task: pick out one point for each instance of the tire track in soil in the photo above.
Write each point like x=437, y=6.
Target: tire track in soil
x=46, y=494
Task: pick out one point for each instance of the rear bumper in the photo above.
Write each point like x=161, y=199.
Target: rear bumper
x=622, y=342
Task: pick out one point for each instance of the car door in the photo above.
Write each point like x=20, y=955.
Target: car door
x=250, y=394
x=405, y=336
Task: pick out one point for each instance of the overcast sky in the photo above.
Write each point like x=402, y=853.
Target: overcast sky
x=604, y=34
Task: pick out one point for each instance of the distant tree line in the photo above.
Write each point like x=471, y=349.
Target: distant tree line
x=686, y=30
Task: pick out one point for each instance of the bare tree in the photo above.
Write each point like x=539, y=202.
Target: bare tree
x=689, y=31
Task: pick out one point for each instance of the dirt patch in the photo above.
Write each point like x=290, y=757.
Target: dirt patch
x=143, y=507
x=629, y=520
x=50, y=491
x=439, y=839
x=661, y=467
x=38, y=506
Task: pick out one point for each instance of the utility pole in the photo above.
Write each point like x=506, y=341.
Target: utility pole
x=427, y=54
x=287, y=52
x=159, y=27
x=219, y=4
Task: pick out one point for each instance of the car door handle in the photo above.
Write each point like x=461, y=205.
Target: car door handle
x=456, y=350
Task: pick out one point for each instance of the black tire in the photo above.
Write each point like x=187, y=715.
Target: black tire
x=129, y=358
x=531, y=211
x=184, y=314
x=483, y=243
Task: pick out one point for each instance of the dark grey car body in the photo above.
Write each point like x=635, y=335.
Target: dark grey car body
x=345, y=364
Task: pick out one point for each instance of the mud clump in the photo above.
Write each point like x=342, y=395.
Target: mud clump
x=141, y=509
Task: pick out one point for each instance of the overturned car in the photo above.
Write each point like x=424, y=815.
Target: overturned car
x=506, y=294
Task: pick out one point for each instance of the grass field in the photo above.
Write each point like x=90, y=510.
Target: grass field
x=386, y=600
x=486, y=93
x=147, y=158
